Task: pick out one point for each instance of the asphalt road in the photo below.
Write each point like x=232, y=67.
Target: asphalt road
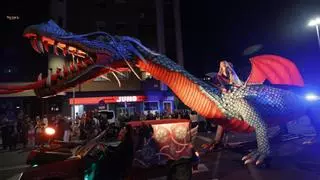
x=291, y=159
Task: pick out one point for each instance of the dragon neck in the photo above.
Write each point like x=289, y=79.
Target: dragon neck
x=193, y=92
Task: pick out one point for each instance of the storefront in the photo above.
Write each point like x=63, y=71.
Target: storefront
x=152, y=101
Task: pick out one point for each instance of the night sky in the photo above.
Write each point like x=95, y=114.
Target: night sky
x=222, y=30
x=212, y=31
x=15, y=50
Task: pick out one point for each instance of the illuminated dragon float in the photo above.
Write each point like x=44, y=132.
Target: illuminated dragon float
x=246, y=107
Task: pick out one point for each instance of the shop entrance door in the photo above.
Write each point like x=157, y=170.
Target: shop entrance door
x=167, y=106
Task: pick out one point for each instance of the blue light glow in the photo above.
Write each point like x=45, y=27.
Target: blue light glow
x=312, y=97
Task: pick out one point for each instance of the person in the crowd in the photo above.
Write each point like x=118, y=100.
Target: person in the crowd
x=157, y=115
x=175, y=114
x=39, y=130
x=77, y=116
x=193, y=118
x=82, y=129
x=22, y=127
x=149, y=116
x=5, y=132
x=60, y=128
x=67, y=130
x=142, y=116
x=12, y=134
x=45, y=121
x=90, y=125
x=52, y=121
x=31, y=132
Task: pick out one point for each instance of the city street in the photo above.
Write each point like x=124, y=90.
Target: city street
x=292, y=159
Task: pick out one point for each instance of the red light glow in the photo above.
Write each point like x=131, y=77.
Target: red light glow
x=50, y=131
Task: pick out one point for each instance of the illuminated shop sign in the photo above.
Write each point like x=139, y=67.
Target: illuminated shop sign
x=108, y=99
x=116, y=99
x=127, y=99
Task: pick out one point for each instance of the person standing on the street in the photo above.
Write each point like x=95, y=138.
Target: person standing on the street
x=31, y=132
x=23, y=131
x=12, y=135
x=67, y=130
x=4, y=133
x=61, y=126
x=45, y=121
x=149, y=116
x=38, y=130
x=82, y=128
x=194, y=118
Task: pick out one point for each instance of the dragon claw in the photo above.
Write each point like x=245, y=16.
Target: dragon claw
x=256, y=157
x=312, y=141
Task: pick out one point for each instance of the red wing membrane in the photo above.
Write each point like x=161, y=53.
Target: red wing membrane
x=276, y=69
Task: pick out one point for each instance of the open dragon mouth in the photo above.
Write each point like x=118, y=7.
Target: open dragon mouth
x=80, y=65
x=87, y=56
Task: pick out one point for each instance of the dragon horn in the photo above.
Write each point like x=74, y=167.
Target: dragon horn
x=134, y=72
x=105, y=77
x=116, y=78
x=112, y=69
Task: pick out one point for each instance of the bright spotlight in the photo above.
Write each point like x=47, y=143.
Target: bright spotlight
x=314, y=22
x=312, y=97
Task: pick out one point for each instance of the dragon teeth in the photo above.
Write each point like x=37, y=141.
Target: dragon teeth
x=55, y=50
x=46, y=46
x=34, y=45
x=64, y=52
x=75, y=66
x=40, y=46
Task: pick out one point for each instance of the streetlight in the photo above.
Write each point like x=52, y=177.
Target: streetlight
x=316, y=22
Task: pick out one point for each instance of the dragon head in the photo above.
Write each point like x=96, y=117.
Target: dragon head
x=87, y=56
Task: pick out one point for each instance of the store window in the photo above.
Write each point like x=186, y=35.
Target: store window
x=167, y=106
x=79, y=110
x=151, y=106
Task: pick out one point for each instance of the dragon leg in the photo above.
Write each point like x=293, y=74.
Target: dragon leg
x=258, y=156
x=314, y=117
x=250, y=114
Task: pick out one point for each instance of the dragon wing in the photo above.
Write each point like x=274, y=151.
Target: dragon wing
x=276, y=69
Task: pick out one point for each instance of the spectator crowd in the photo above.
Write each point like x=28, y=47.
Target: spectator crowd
x=19, y=129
